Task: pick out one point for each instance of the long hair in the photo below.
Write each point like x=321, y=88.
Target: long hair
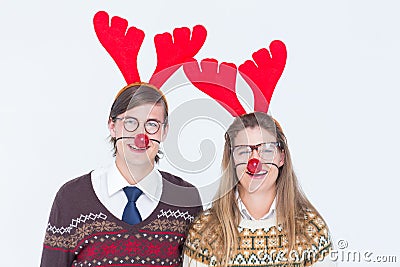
x=291, y=202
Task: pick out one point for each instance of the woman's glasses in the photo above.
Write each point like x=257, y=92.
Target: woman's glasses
x=266, y=151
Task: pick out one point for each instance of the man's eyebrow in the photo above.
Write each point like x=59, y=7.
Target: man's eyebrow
x=154, y=119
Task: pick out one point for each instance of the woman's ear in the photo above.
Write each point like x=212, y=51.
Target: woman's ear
x=282, y=158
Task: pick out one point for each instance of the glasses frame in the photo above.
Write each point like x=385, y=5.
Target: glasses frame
x=138, y=124
x=254, y=147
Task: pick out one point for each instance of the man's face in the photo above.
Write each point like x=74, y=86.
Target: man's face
x=127, y=150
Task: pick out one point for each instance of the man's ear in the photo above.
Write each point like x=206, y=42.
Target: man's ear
x=164, y=132
x=111, y=127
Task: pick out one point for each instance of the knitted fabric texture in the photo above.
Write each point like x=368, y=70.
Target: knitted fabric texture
x=261, y=243
x=82, y=232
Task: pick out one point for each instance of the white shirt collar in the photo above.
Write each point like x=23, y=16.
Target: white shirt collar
x=246, y=214
x=150, y=185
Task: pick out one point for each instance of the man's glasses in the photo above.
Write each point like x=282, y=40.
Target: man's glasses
x=150, y=126
x=266, y=151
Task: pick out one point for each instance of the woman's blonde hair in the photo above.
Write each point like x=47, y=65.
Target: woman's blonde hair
x=291, y=202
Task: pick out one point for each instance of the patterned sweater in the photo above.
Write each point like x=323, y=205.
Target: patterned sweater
x=261, y=243
x=82, y=232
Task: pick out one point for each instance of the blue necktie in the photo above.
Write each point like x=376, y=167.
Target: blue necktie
x=131, y=213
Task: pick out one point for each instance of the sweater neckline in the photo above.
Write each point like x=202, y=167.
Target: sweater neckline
x=258, y=224
x=119, y=221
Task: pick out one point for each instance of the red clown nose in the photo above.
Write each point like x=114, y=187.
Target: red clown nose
x=141, y=141
x=254, y=166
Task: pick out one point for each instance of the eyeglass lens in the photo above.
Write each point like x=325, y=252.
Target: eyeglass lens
x=150, y=126
x=266, y=151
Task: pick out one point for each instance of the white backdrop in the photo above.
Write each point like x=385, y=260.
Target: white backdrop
x=337, y=101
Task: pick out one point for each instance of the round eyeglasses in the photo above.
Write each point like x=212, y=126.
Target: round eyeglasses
x=151, y=126
x=266, y=151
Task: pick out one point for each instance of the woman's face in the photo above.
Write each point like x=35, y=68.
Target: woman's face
x=265, y=178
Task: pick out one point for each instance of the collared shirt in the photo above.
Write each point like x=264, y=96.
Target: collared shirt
x=244, y=212
x=108, y=184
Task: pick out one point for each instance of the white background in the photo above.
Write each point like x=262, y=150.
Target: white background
x=337, y=102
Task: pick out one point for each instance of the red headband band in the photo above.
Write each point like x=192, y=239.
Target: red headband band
x=261, y=75
x=123, y=45
x=219, y=82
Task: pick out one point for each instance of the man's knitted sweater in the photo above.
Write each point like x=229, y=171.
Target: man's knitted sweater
x=82, y=232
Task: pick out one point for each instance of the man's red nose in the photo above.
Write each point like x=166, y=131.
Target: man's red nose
x=141, y=141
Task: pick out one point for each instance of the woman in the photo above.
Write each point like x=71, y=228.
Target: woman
x=260, y=216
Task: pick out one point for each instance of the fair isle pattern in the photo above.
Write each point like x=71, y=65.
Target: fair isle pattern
x=263, y=246
x=176, y=214
x=101, y=239
x=201, y=244
x=143, y=248
x=164, y=225
x=75, y=222
x=71, y=241
x=269, y=246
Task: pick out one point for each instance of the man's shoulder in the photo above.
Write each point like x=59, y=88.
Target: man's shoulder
x=75, y=187
x=74, y=199
x=178, y=192
x=175, y=179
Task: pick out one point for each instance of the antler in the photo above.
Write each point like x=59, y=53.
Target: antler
x=171, y=54
x=263, y=77
x=123, y=45
x=220, y=85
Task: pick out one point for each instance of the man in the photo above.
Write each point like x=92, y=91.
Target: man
x=129, y=214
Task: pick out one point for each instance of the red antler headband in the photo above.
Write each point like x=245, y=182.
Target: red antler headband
x=123, y=44
x=261, y=75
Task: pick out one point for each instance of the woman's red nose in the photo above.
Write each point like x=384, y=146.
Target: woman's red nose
x=254, y=166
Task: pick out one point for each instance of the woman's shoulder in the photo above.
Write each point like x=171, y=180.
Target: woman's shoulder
x=311, y=222
x=201, y=241
x=204, y=230
x=200, y=224
x=313, y=234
